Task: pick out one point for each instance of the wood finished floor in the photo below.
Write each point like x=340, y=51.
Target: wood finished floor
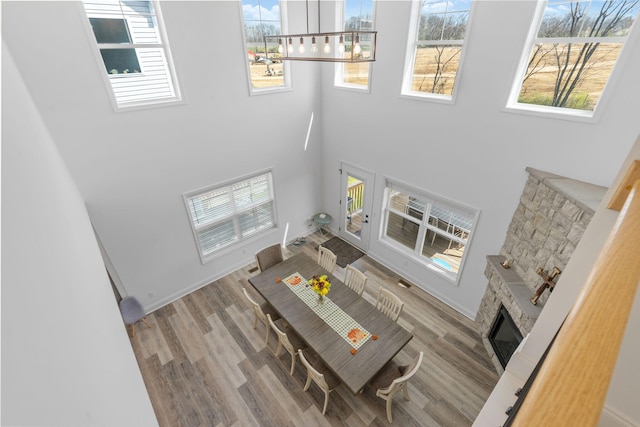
x=204, y=365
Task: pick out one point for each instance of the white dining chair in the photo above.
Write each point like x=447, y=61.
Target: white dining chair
x=325, y=380
x=327, y=259
x=393, y=379
x=389, y=303
x=355, y=279
x=260, y=313
x=289, y=340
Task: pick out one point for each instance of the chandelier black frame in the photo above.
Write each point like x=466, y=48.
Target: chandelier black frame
x=323, y=46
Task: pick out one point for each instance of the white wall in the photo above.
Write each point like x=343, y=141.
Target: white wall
x=133, y=167
x=473, y=151
x=66, y=357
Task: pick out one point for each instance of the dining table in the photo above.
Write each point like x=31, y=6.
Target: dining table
x=351, y=336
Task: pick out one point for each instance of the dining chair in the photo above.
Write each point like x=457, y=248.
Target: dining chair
x=290, y=341
x=392, y=379
x=132, y=312
x=325, y=379
x=260, y=313
x=269, y=256
x=327, y=259
x=355, y=279
x=389, y=303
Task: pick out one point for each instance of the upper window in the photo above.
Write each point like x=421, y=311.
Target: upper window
x=262, y=18
x=136, y=60
x=228, y=213
x=435, y=46
x=573, y=53
x=357, y=15
x=427, y=228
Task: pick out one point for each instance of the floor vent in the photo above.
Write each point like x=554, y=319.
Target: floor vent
x=253, y=270
x=404, y=283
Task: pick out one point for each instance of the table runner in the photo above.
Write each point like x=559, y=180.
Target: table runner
x=328, y=311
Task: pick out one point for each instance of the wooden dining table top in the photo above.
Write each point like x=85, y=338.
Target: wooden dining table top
x=353, y=370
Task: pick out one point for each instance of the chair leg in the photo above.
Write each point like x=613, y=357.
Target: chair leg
x=406, y=392
x=326, y=402
x=389, y=401
x=144, y=319
x=293, y=364
x=308, y=383
x=266, y=336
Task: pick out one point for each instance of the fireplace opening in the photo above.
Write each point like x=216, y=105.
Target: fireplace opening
x=504, y=336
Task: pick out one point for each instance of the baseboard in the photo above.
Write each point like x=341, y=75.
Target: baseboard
x=611, y=418
x=430, y=291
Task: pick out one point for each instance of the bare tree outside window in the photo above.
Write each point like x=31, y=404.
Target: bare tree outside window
x=438, y=47
x=576, y=48
x=357, y=15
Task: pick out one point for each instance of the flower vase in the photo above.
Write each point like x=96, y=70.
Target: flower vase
x=321, y=299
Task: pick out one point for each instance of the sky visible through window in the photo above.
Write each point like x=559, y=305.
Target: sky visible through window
x=266, y=10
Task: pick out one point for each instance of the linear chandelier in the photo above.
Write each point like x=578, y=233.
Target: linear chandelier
x=337, y=46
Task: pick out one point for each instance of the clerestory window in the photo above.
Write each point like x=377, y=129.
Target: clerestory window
x=266, y=72
x=133, y=50
x=225, y=214
x=572, y=55
x=356, y=15
x=427, y=228
x=435, y=48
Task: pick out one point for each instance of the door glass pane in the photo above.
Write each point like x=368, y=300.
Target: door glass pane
x=355, y=200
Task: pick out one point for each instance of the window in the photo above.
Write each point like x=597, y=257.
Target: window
x=357, y=15
x=427, y=228
x=262, y=17
x=135, y=58
x=228, y=213
x=435, y=46
x=573, y=53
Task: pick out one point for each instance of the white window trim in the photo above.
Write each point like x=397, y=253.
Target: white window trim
x=288, y=87
x=338, y=75
x=412, y=39
x=585, y=116
x=177, y=99
x=416, y=254
x=225, y=250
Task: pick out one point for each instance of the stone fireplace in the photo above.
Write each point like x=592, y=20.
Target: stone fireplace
x=548, y=223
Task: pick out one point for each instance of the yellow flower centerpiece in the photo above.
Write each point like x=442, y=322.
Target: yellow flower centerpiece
x=320, y=285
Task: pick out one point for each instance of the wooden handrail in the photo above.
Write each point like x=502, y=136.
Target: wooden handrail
x=572, y=383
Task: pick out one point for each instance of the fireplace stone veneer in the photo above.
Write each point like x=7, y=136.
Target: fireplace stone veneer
x=547, y=225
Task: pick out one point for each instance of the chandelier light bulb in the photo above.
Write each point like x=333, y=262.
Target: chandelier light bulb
x=290, y=46
x=357, y=49
x=327, y=46
x=280, y=48
x=301, y=48
x=341, y=45
x=314, y=48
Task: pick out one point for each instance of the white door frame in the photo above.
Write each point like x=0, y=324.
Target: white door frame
x=361, y=240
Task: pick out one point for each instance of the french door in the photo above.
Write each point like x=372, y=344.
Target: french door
x=356, y=198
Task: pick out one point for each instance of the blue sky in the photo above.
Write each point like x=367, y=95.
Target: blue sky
x=269, y=9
